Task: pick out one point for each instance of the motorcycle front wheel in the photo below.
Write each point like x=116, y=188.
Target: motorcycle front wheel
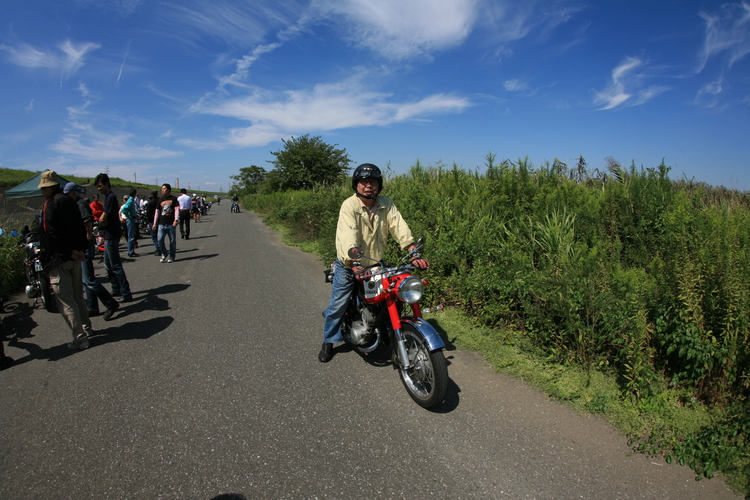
x=427, y=379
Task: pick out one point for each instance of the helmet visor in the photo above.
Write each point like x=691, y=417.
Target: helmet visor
x=363, y=173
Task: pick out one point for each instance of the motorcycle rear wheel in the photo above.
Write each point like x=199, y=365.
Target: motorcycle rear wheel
x=427, y=380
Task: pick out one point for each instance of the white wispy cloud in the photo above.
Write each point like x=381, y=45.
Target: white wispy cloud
x=506, y=21
x=726, y=31
x=125, y=58
x=393, y=29
x=397, y=29
x=515, y=85
x=708, y=95
x=82, y=141
x=238, y=23
x=89, y=98
x=244, y=63
x=68, y=57
x=324, y=107
x=626, y=83
x=645, y=95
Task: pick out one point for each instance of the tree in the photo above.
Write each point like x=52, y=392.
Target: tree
x=307, y=161
x=248, y=180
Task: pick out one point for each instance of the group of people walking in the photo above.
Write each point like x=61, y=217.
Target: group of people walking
x=68, y=246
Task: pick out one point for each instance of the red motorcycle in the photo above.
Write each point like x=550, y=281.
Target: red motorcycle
x=385, y=307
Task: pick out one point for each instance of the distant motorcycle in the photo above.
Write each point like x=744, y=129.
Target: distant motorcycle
x=38, y=286
x=379, y=311
x=235, y=207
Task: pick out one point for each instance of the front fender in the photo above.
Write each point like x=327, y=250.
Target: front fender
x=433, y=338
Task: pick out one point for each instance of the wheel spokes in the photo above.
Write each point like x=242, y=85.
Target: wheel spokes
x=420, y=376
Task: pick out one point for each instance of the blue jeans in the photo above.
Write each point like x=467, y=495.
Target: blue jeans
x=164, y=231
x=154, y=237
x=95, y=291
x=113, y=266
x=132, y=235
x=342, y=289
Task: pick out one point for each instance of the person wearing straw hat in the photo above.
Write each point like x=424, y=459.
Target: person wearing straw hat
x=63, y=247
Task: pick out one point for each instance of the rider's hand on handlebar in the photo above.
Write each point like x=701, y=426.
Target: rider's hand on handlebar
x=420, y=263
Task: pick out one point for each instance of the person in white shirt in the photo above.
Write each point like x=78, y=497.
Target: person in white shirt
x=185, y=205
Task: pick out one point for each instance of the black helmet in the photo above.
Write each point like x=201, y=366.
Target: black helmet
x=367, y=171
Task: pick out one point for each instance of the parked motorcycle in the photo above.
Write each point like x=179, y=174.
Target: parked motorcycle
x=143, y=223
x=98, y=238
x=5, y=361
x=38, y=281
x=385, y=307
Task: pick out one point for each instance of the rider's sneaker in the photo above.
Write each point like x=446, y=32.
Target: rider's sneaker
x=326, y=353
x=81, y=342
x=163, y=258
x=110, y=311
x=170, y=260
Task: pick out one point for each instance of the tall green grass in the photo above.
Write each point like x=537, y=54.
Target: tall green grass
x=624, y=271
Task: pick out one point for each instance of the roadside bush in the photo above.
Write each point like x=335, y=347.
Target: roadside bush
x=11, y=264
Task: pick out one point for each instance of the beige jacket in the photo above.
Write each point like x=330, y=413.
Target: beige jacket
x=356, y=230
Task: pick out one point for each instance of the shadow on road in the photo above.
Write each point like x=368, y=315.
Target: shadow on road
x=130, y=331
x=139, y=330
x=197, y=257
x=204, y=236
x=19, y=320
x=382, y=357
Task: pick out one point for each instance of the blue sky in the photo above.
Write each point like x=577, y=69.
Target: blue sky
x=194, y=90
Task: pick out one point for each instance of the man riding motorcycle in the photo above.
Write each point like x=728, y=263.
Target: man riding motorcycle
x=365, y=220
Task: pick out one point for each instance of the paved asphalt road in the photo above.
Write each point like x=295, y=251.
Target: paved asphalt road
x=208, y=384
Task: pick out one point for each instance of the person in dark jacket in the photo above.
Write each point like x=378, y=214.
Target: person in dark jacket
x=95, y=291
x=63, y=248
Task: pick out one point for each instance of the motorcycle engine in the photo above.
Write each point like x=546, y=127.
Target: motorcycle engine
x=362, y=331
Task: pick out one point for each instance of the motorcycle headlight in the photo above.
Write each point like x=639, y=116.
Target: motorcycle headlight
x=410, y=290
